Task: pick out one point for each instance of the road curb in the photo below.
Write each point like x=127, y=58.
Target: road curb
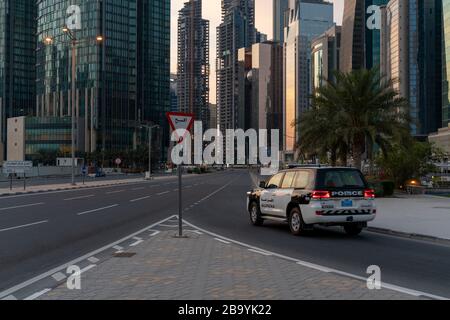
x=406, y=235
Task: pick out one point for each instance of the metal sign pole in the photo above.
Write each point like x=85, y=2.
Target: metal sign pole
x=180, y=201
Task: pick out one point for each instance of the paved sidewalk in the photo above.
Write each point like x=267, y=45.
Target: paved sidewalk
x=204, y=267
x=415, y=215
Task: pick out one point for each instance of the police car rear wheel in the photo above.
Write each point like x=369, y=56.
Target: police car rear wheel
x=255, y=215
x=296, y=223
x=352, y=229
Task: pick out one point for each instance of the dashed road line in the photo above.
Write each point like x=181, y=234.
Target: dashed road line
x=79, y=198
x=140, y=199
x=138, y=242
x=162, y=193
x=118, y=248
x=23, y=206
x=93, y=260
x=24, y=226
x=96, y=210
x=10, y=298
x=154, y=233
x=59, y=276
x=114, y=192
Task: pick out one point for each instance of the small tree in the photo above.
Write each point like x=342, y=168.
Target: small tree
x=407, y=160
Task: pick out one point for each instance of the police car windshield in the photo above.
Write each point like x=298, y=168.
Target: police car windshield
x=340, y=179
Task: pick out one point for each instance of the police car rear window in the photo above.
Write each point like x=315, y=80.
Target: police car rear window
x=340, y=179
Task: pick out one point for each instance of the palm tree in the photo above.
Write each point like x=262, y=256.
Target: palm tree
x=357, y=112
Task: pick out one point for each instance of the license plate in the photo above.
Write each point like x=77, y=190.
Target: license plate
x=347, y=203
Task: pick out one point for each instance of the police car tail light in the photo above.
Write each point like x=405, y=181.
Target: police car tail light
x=321, y=195
x=369, y=194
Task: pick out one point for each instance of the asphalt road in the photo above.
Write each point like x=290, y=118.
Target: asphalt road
x=40, y=232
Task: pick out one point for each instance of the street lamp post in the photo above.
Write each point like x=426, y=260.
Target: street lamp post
x=74, y=41
x=150, y=128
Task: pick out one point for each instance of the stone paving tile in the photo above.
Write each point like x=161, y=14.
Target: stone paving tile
x=200, y=267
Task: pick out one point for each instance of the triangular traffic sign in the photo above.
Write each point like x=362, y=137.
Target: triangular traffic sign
x=180, y=121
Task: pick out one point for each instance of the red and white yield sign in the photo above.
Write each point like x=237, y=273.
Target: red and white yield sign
x=180, y=122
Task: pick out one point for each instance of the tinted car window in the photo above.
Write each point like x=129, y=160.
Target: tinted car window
x=302, y=179
x=330, y=179
x=288, y=179
x=275, y=181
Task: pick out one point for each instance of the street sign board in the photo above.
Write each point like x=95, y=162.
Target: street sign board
x=180, y=121
x=17, y=166
x=118, y=161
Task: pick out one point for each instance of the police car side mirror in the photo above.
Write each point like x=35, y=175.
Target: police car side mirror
x=262, y=184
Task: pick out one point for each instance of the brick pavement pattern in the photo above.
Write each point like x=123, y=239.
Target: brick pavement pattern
x=200, y=267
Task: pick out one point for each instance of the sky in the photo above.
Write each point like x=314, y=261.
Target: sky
x=212, y=12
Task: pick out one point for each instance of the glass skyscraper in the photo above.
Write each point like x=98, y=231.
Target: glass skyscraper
x=305, y=21
x=17, y=61
x=372, y=34
x=411, y=54
x=446, y=64
x=121, y=82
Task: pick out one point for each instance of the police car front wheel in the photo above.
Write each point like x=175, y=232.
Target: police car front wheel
x=255, y=215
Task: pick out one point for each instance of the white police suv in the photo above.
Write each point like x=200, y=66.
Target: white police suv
x=309, y=196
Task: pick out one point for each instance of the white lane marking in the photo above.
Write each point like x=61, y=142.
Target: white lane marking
x=44, y=275
x=162, y=193
x=89, y=267
x=93, y=260
x=260, y=252
x=136, y=189
x=37, y=294
x=154, y=233
x=140, y=199
x=118, y=248
x=223, y=241
x=96, y=210
x=138, y=242
x=174, y=190
x=59, y=276
x=114, y=192
x=217, y=191
x=314, y=266
x=79, y=198
x=24, y=226
x=11, y=298
x=23, y=206
x=168, y=226
x=385, y=285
